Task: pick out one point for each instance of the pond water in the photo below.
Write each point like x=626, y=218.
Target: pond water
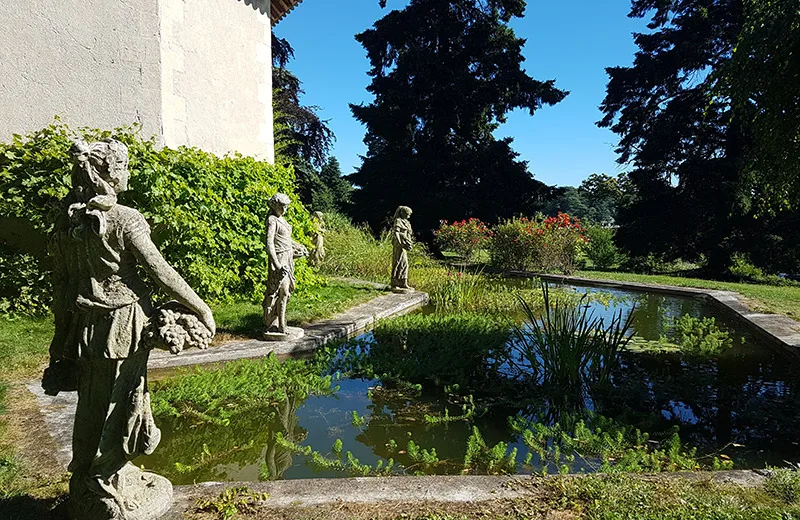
x=743, y=404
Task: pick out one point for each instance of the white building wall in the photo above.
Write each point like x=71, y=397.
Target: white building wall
x=216, y=87
x=191, y=72
x=92, y=62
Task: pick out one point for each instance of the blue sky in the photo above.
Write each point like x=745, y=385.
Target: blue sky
x=571, y=41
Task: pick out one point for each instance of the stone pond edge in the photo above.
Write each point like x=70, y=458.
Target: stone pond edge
x=777, y=329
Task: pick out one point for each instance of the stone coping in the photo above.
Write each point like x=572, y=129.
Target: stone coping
x=776, y=329
x=440, y=489
x=59, y=411
x=343, y=325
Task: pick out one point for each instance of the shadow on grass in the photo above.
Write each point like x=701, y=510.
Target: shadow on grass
x=26, y=507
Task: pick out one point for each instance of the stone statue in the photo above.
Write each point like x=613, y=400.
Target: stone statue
x=282, y=251
x=402, y=240
x=101, y=307
x=318, y=254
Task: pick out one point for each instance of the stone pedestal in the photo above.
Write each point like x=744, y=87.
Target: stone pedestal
x=402, y=290
x=141, y=496
x=291, y=333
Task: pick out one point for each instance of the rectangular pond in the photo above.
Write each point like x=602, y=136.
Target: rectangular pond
x=739, y=406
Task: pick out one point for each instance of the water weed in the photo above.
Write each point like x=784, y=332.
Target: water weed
x=568, y=350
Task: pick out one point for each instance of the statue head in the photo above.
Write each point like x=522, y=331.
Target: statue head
x=101, y=168
x=317, y=215
x=278, y=203
x=402, y=212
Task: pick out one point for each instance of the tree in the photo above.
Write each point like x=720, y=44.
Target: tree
x=595, y=200
x=300, y=134
x=762, y=79
x=444, y=75
x=687, y=144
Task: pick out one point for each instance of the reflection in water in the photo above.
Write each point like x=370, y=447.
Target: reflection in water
x=744, y=403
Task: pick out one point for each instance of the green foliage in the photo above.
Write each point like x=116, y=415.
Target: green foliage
x=207, y=213
x=627, y=497
x=216, y=396
x=602, y=444
x=465, y=237
x=430, y=127
x=24, y=343
x=784, y=484
x=543, y=244
x=231, y=502
x=442, y=350
x=568, y=351
x=481, y=458
x=600, y=249
x=701, y=335
x=245, y=318
x=515, y=245
x=345, y=463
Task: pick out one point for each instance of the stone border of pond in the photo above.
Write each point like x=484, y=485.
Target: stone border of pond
x=776, y=329
x=343, y=325
x=439, y=489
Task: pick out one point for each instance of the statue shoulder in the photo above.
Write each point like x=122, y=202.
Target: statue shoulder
x=129, y=220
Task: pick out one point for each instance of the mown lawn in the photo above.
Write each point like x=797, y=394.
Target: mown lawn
x=765, y=298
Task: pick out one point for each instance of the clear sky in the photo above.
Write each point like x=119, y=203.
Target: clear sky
x=571, y=41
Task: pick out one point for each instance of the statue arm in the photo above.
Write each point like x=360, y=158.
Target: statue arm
x=168, y=279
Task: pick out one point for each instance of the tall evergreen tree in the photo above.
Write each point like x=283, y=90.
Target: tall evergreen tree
x=686, y=142
x=444, y=75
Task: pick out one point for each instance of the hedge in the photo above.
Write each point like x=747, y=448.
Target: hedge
x=206, y=213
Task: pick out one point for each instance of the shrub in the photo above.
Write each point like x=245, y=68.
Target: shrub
x=600, y=248
x=207, y=213
x=464, y=237
x=516, y=244
x=542, y=244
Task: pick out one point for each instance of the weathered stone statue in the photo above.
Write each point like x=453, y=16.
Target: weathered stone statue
x=282, y=251
x=402, y=240
x=318, y=253
x=101, y=306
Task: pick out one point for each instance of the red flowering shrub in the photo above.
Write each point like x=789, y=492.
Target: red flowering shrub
x=541, y=244
x=516, y=244
x=464, y=237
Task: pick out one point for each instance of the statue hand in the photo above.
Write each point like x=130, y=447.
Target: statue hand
x=207, y=318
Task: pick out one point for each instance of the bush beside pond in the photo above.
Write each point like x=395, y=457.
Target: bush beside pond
x=207, y=213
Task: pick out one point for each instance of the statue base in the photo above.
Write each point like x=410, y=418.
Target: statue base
x=139, y=495
x=291, y=333
x=402, y=290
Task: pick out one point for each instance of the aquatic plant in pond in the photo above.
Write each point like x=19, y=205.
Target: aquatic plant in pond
x=432, y=349
x=568, y=351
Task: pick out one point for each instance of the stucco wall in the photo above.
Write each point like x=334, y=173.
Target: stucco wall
x=217, y=75
x=92, y=62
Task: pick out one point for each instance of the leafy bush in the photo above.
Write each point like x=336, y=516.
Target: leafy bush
x=542, y=244
x=600, y=249
x=784, y=483
x=207, y=213
x=465, y=237
x=515, y=245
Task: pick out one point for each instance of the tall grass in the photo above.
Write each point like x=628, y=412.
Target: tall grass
x=568, y=350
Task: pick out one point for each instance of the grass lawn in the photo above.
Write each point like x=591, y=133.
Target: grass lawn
x=246, y=319
x=765, y=298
